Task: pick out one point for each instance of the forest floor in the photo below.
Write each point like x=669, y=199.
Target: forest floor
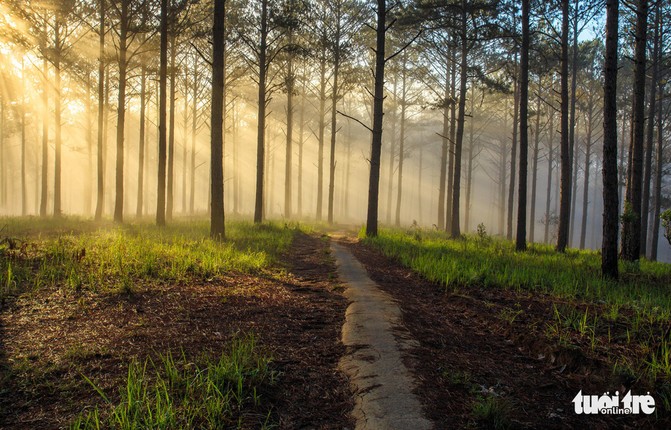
x=50, y=339
x=478, y=370
x=477, y=362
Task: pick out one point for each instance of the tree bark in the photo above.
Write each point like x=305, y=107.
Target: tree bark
x=101, y=118
x=301, y=141
x=290, y=83
x=401, y=139
x=378, y=112
x=57, y=108
x=171, y=123
x=320, y=135
x=185, y=134
x=162, y=138
x=24, y=197
x=121, y=113
x=141, y=141
x=534, y=169
x=574, y=194
x=659, y=169
x=455, y=229
x=3, y=167
x=392, y=118
x=631, y=231
x=445, y=145
x=513, y=155
x=261, y=117
x=610, y=197
x=469, y=168
x=334, y=131
x=217, y=229
x=45, y=136
x=521, y=236
x=565, y=198
x=548, y=194
x=645, y=199
x=194, y=128
x=572, y=120
x=588, y=153
x=453, y=130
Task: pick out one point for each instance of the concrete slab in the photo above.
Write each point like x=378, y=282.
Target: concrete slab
x=375, y=340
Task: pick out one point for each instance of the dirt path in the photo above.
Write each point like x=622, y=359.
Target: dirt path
x=375, y=339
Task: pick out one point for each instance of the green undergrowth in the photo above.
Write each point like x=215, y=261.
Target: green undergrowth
x=81, y=254
x=485, y=261
x=584, y=307
x=174, y=392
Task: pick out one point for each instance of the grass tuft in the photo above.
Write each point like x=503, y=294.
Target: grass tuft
x=76, y=254
x=175, y=392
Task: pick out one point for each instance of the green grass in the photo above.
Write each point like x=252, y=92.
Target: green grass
x=586, y=304
x=490, y=262
x=492, y=412
x=79, y=254
x=211, y=393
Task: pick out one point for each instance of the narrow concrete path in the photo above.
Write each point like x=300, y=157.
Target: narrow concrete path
x=373, y=335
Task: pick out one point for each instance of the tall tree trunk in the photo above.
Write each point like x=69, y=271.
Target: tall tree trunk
x=588, y=153
x=185, y=134
x=610, y=199
x=503, y=160
x=455, y=229
x=57, y=108
x=194, y=128
x=141, y=141
x=645, y=199
x=378, y=112
x=513, y=155
x=3, y=167
x=89, y=147
x=401, y=139
x=217, y=138
x=171, y=124
x=236, y=157
x=622, y=166
x=658, y=181
x=121, y=113
x=261, y=117
x=548, y=193
x=162, y=138
x=444, y=146
x=334, y=104
x=572, y=121
x=44, y=192
x=534, y=169
x=392, y=150
x=419, y=185
x=290, y=138
x=100, y=166
x=521, y=237
x=320, y=135
x=565, y=150
x=574, y=194
x=469, y=168
x=449, y=198
x=631, y=231
x=301, y=141
x=24, y=197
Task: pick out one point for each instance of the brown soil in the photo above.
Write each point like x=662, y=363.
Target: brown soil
x=49, y=339
x=468, y=352
x=474, y=344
